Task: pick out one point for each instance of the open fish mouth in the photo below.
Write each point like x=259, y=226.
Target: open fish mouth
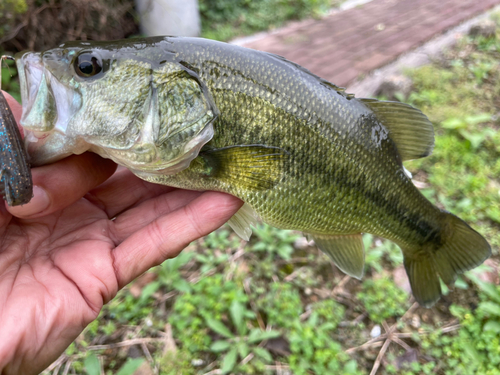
x=30, y=70
x=47, y=108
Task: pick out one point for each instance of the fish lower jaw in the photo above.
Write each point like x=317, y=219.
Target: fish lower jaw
x=145, y=160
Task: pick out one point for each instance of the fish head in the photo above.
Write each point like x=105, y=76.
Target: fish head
x=130, y=101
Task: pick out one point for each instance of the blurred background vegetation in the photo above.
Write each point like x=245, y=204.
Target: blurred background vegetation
x=277, y=305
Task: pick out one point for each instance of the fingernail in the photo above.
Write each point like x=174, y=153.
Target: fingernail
x=37, y=204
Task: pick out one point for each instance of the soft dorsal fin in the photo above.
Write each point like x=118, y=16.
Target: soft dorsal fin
x=408, y=127
x=346, y=251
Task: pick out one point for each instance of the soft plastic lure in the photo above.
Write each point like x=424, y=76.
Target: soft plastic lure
x=16, y=185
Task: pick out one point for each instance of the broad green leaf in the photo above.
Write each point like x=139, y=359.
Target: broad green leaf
x=254, y=336
x=461, y=283
x=258, y=335
x=453, y=123
x=237, y=311
x=220, y=346
x=492, y=325
x=489, y=289
x=478, y=119
x=263, y=353
x=490, y=308
x=259, y=246
x=243, y=349
x=229, y=361
x=218, y=327
x=474, y=139
x=181, y=285
x=351, y=367
x=92, y=364
x=202, y=258
x=149, y=289
x=130, y=366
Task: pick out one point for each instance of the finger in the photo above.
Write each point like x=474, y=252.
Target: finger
x=145, y=213
x=122, y=191
x=15, y=107
x=58, y=185
x=166, y=236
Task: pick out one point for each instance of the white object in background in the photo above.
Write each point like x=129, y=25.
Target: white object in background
x=169, y=17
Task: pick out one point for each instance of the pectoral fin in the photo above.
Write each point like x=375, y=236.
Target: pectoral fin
x=242, y=220
x=346, y=251
x=255, y=167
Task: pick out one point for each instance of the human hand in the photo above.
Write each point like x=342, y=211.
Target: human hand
x=62, y=256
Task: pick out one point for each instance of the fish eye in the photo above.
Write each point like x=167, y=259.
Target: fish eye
x=87, y=65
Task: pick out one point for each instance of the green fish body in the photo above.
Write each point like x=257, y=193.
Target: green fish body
x=298, y=150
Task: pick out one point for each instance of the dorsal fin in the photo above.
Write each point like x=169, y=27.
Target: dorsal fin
x=408, y=127
x=324, y=82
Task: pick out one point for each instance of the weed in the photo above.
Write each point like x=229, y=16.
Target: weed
x=210, y=298
x=9, y=79
x=281, y=304
x=314, y=349
x=382, y=299
x=380, y=251
x=225, y=19
x=169, y=272
x=127, y=308
x=273, y=241
x=241, y=345
x=475, y=348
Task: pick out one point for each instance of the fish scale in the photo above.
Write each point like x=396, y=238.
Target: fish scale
x=300, y=152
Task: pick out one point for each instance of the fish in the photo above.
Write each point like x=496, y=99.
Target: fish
x=16, y=185
x=298, y=150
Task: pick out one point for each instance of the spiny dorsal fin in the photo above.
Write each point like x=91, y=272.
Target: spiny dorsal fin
x=242, y=220
x=408, y=127
x=324, y=82
x=347, y=252
x=254, y=167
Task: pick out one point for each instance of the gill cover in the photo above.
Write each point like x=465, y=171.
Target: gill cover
x=131, y=102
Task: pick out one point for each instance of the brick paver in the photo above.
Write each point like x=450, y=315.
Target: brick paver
x=347, y=44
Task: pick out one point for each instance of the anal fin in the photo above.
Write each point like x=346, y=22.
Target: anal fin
x=346, y=251
x=242, y=220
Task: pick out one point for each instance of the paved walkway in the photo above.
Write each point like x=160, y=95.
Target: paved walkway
x=351, y=43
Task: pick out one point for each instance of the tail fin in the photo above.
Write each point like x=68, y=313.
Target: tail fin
x=460, y=249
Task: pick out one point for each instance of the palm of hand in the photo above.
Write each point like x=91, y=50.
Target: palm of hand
x=57, y=271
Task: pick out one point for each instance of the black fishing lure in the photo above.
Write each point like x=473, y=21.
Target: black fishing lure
x=16, y=185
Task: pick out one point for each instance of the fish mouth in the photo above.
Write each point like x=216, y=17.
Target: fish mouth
x=30, y=69
x=48, y=106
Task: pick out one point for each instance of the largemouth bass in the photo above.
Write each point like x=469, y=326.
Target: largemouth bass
x=299, y=151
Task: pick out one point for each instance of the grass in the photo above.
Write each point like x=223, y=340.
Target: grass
x=277, y=304
x=227, y=19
